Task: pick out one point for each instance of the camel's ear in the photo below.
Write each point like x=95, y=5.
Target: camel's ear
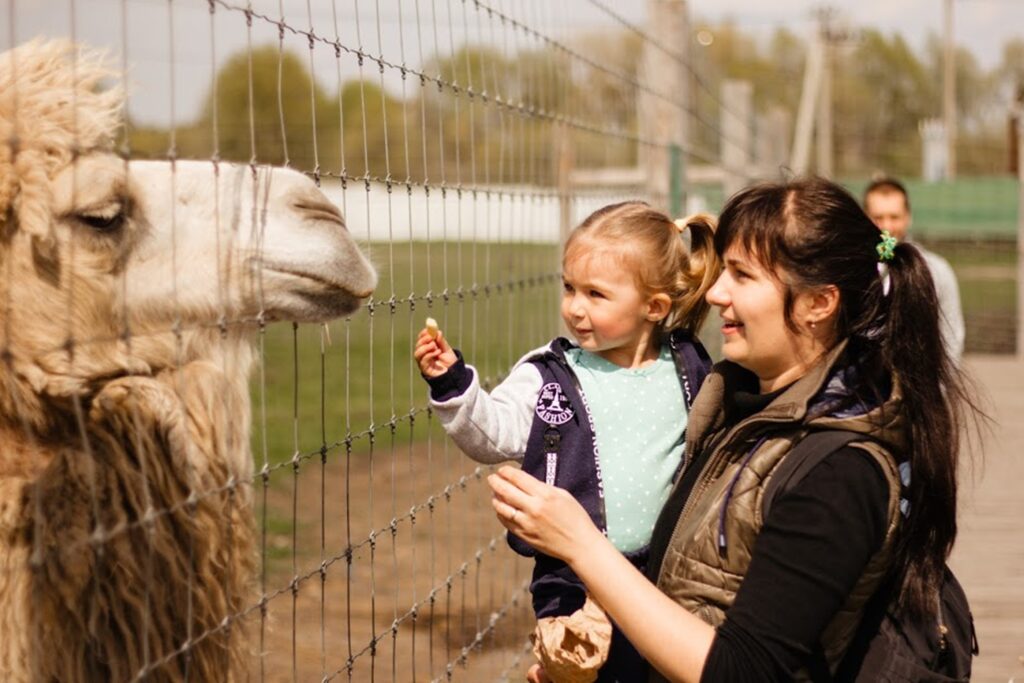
x=25, y=197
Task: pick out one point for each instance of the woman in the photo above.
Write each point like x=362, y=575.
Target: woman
x=827, y=324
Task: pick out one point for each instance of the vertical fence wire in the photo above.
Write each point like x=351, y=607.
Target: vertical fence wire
x=437, y=127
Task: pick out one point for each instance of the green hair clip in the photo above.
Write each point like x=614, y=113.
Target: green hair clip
x=886, y=248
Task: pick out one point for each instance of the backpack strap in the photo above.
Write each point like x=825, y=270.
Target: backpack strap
x=806, y=453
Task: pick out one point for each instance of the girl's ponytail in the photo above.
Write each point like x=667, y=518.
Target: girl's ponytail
x=699, y=271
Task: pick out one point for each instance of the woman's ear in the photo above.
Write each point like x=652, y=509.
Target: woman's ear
x=658, y=307
x=820, y=305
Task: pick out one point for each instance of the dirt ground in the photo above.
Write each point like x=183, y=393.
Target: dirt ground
x=472, y=611
x=437, y=596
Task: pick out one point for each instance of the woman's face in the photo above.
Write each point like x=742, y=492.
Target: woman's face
x=751, y=301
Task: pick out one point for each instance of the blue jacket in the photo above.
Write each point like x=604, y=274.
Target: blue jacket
x=539, y=416
x=560, y=450
x=537, y=411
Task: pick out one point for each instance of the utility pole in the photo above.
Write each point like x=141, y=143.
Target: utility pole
x=736, y=139
x=815, y=112
x=825, y=146
x=662, y=119
x=1020, y=228
x=949, y=91
x=799, y=159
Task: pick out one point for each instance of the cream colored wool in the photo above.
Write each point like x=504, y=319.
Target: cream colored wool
x=126, y=526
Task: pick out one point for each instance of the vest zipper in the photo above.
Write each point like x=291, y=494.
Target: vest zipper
x=552, y=437
x=560, y=359
x=724, y=437
x=745, y=429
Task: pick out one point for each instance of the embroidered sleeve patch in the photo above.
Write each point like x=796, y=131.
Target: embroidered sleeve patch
x=552, y=405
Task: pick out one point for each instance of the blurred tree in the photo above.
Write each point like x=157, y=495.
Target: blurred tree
x=1010, y=71
x=882, y=91
x=268, y=117
x=980, y=117
x=482, y=115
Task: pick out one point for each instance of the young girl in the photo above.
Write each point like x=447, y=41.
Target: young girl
x=828, y=324
x=603, y=417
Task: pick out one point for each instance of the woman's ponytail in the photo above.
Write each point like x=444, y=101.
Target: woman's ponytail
x=933, y=400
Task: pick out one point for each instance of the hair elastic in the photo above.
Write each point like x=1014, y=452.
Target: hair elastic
x=887, y=247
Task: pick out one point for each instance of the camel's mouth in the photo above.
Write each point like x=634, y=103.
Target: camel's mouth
x=315, y=278
x=294, y=292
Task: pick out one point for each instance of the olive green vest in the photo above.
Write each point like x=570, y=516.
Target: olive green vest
x=694, y=572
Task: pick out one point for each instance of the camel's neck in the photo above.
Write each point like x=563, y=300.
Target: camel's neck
x=22, y=456
x=155, y=442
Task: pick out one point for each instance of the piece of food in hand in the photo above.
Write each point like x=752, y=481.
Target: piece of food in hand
x=432, y=328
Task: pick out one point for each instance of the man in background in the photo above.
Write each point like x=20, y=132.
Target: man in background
x=887, y=203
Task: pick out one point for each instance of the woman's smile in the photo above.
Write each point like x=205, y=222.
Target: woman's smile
x=731, y=327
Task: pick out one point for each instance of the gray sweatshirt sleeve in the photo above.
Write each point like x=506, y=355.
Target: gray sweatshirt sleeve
x=948, y=292
x=492, y=427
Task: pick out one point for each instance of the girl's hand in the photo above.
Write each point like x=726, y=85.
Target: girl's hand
x=546, y=517
x=433, y=353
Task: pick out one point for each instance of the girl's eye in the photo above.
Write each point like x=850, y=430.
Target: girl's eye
x=566, y=287
x=596, y=294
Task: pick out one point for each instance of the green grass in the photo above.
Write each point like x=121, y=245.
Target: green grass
x=987, y=274
x=494, y=302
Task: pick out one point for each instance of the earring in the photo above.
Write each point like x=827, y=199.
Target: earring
x=814, y=324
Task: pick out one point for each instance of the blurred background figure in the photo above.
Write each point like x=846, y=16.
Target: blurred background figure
x=887, y=203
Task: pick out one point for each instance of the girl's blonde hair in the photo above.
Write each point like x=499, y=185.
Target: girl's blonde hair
x=652, y=245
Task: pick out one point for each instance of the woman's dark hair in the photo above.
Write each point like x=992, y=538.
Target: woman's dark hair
x=811, y=233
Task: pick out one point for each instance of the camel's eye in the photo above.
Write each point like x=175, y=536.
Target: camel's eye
x=107, y=220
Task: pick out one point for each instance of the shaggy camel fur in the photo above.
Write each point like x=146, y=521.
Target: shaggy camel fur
x=126, y=292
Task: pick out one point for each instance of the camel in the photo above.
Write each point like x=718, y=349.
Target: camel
x=128, y=293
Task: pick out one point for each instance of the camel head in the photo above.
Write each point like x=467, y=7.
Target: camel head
x=111, y=267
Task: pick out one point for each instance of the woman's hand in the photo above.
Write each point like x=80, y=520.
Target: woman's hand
x=546, y=517
x=673, y=640
x=433, y=353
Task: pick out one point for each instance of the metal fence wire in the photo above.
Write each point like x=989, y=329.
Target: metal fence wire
x=350, y=540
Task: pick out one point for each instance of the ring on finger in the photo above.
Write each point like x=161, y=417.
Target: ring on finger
x=515, y=511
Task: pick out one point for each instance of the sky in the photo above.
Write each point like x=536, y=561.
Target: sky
x=170, y=48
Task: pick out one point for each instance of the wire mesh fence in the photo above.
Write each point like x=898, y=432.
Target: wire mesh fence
x=437, y=128
x=307, y=519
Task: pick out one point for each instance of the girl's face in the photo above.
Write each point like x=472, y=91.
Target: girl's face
x=751, y=302
x=605, y=311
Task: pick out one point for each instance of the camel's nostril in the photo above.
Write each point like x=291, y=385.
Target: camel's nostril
x=318, y=208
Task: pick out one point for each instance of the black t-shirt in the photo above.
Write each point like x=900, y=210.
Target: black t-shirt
x=808, y=556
